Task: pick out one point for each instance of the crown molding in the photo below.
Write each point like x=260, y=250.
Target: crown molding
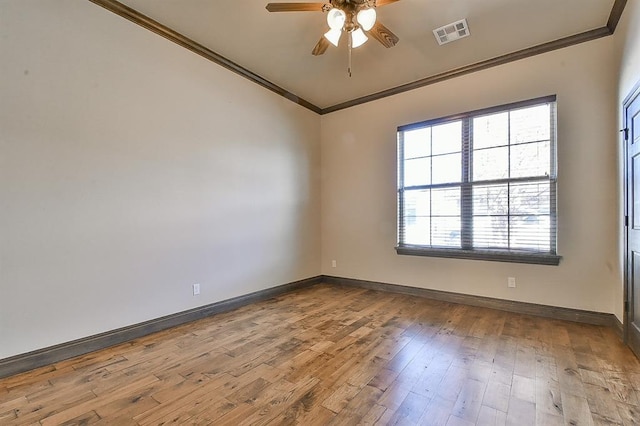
x=615, y=15
x=171, y=35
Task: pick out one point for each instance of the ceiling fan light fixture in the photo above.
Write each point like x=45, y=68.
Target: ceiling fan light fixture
x=333, y=36
x=358, y=38
x=366, y=18
x=336, y=19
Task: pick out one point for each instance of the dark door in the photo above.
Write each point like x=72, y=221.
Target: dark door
x=632, y=184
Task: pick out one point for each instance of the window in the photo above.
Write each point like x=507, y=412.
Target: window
x=480, y=185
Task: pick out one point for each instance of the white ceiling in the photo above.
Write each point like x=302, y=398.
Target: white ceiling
x=277, y=46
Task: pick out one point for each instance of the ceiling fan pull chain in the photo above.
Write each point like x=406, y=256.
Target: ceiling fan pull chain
x=350, y=43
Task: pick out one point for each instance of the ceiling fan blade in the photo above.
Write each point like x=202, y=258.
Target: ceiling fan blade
x=384, y=2
x=384, y=35
x=321, y=47
x=295, y=7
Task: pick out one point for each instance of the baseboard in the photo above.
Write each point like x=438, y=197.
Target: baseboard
x=618, y=327
x=41, y=357
x=566, y=314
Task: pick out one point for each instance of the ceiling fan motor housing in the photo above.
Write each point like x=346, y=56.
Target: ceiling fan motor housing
x=351, y=9
x=352, y=6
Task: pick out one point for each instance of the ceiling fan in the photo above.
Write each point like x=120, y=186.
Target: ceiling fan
x=354, y=17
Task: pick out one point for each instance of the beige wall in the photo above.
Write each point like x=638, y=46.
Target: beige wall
x=628, y=40
x=130, y=169
x=359, y=183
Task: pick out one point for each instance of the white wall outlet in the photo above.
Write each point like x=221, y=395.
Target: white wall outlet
x=334, y=263
x=196, y=289
x=511, y=282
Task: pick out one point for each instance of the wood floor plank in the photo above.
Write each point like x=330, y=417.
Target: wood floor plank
x=525, y=363
x=411, y=409
x=306, y=410
x=548, y=397
x=523, y=388
x=497, y=395
x=438, y=411
x=130, y=406
x=521, y=413
x=491, y=417
x=602, y=406
x=569, y=374
x=358, y=407
x=172, y=404
x=546, y=419
x=373, y=416
x=33, y=411
x=576, y=410
x=83, y=408
x=340, y=355
x=8, y=417
x=278, y=398
x=205, y=411
x=457, y=421
x=339, y=399
x=35, y=377
x=469, y=400
x=384, y=378
x=620, y=387
x=629, y=414
x=455, y=378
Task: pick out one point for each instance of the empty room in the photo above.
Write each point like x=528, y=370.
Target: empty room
x=244, y=212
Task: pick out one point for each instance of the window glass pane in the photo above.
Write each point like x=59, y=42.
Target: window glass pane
x=445, y=202
x=491, y=130
x=417, y=230
x=417, y=143
x=445, y=231
x=532, y=159
x=417, y=203
x=491, y=232
x=531, y=124
x=491, y=200
x=492, y=163
x=530, y=233
x=447, y=168
x=530, y=198
x=417, y=172
x=512, y=182
x=447, y=138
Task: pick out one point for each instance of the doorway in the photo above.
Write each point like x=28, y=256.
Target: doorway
x=631, y=135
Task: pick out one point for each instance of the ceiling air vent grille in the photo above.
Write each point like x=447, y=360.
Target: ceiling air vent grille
x=451, y=32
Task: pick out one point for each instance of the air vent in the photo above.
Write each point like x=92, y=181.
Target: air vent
x=451, y=32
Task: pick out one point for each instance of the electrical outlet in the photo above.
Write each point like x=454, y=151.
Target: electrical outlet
x=511, y=282
x=196, y=289
x=334, y=263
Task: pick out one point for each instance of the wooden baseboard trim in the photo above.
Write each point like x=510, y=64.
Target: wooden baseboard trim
x=46, y=356
x=618, y=327
x=553, y=312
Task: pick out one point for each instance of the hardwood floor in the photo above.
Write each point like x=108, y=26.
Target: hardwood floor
x=343, y=356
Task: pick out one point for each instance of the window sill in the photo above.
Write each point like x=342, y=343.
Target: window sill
x=490, y=255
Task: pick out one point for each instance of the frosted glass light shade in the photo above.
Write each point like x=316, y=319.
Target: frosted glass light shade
x=333, y=36
x=336, y=19
x=358, y=38
x=366, y=18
